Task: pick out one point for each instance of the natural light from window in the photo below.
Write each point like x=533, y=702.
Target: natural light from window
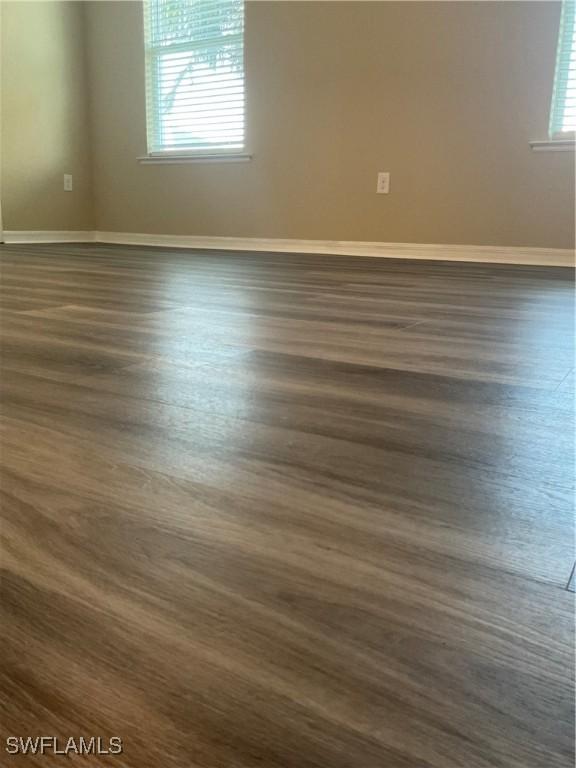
x=563, y=116
x=195, y=76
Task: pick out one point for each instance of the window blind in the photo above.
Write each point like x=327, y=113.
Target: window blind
x=563, y=116
x=195, y=75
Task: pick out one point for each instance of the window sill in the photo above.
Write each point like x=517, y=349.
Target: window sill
x=553, y=145
x=173, y=158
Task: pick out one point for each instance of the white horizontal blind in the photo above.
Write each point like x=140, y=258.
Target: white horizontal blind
x=563, y=116
x=195, y=75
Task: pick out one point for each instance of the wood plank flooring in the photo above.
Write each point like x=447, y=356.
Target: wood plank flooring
x=265, y=511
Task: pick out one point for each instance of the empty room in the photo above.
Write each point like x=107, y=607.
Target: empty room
x=286, y=383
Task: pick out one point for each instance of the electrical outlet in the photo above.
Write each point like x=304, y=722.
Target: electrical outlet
x=383, y=183
x=67, y=182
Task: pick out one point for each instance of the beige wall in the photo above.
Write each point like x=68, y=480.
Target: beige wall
x=44, y=117
x=444, y=95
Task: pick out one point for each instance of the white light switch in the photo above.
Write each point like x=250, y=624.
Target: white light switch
x=383, y=184
x=68, y=182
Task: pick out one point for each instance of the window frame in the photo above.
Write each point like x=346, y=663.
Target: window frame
x=152, y=56
x=566, y=39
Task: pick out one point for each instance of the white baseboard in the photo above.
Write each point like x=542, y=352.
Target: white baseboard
x=47, y=236
x=503, y=255
x=556, y=257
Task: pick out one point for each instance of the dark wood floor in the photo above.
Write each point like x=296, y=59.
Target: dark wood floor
x=286, y=512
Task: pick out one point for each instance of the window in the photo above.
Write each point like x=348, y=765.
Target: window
x=563, y=117
x=195, y=76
